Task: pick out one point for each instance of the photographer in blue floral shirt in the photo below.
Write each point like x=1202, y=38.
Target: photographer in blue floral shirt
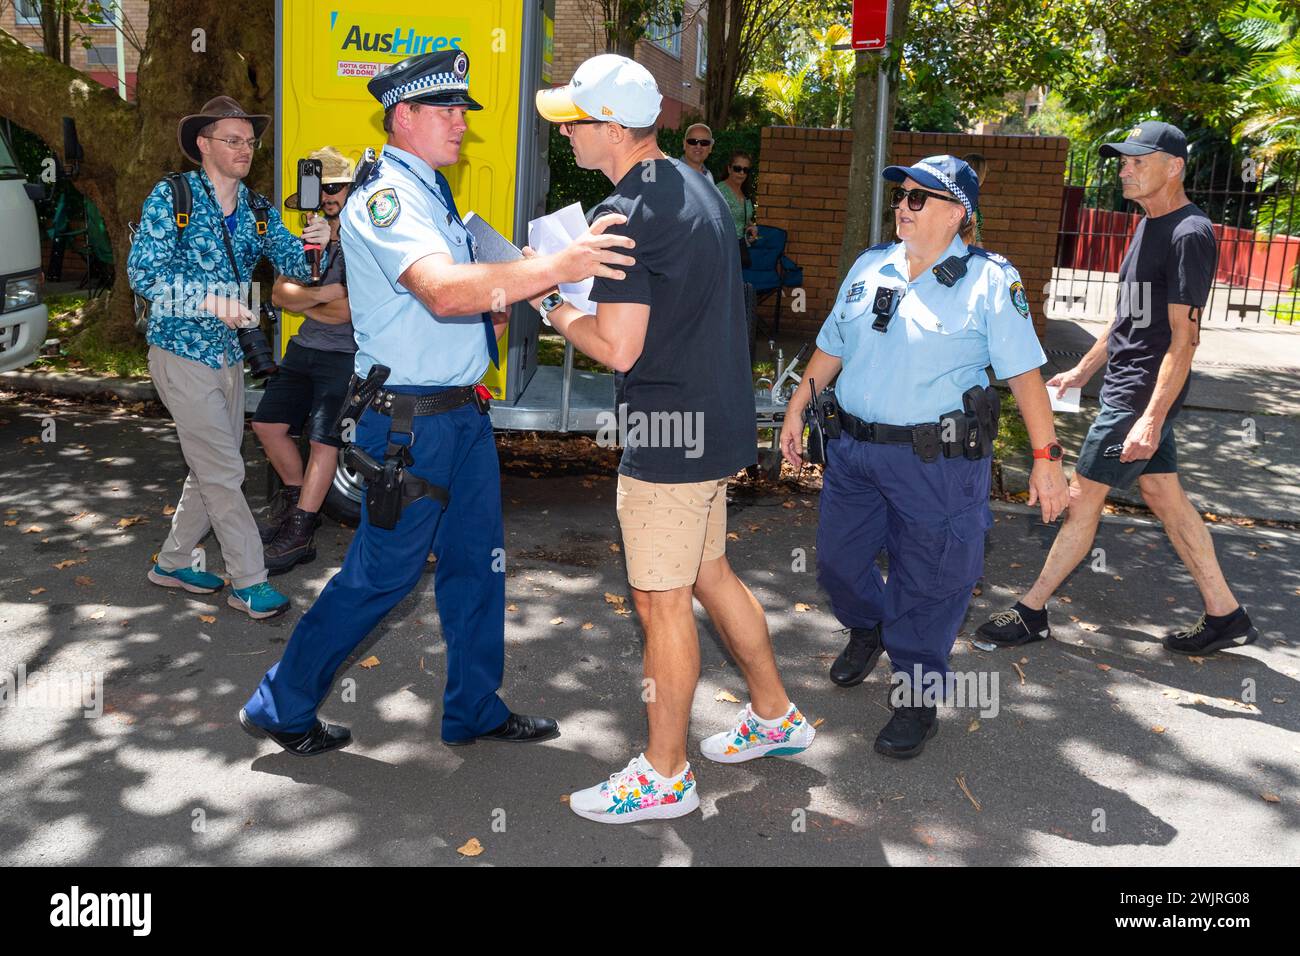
x=198, y=282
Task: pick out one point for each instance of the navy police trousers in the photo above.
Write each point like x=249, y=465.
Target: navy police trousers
x=454, y=450
x=930, y=518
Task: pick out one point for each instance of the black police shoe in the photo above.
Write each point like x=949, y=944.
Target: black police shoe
x=320, y=739
x=1203, y=637
x=518, y=729
x=1018, y=625
x=282, y=504
x=907, y=731
x=858, y=657
x=295, y=543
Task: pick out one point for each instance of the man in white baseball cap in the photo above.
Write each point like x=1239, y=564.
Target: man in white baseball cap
x=674, y=329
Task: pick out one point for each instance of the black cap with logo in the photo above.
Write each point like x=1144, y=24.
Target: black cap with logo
x=1149, y=137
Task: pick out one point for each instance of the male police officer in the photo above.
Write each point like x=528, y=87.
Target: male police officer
x=914, y=326
x=420, y=308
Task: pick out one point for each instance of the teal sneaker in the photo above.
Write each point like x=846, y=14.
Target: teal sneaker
x=196, y=582
x=259, y=601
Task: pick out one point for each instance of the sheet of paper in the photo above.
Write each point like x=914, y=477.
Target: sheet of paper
x=1069, y=402
x=551, y=233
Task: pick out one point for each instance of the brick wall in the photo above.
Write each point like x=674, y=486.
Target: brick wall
x=578, y=35
x=804, y=172
x=100, y=62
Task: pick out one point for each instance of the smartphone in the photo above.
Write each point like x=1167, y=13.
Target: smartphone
x=309, y=173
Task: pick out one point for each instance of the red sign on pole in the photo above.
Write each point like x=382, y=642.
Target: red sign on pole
x=871, y=23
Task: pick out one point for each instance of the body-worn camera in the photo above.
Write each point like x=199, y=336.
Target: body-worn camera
x=883, y=304
x=256, y=347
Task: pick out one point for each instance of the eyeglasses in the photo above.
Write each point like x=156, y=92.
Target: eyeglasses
x=740, y=169
x=699, y=142
x=573, y=123
x=234, y=142
x=333, y=189
x=916, y=198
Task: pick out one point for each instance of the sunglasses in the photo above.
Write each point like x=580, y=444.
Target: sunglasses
x=699, y=142
x=740, y=169
x=333, y=189
x=916, y=198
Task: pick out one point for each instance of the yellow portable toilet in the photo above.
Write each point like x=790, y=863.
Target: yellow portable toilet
x=327, y=50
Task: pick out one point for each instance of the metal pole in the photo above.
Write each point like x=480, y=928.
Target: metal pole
x=121, y=49
x=882, y=119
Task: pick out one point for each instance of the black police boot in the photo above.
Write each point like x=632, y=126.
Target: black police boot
x=1210, y=634
x=1015, y=626
x=294, y=544
x=858, y=657
x=282, y=504
x=907, y=731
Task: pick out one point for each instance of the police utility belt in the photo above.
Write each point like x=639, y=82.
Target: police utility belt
x=967, y=433
x=390, y=486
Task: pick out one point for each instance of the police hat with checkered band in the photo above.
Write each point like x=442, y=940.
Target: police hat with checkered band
x=436, y=79
x=946, y=173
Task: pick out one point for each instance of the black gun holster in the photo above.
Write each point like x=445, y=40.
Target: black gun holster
x=390, y=487
x=983, y=407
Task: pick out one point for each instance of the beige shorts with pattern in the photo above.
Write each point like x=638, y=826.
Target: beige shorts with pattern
x=670, y=530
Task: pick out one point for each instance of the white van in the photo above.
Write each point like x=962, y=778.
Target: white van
x=23, y=317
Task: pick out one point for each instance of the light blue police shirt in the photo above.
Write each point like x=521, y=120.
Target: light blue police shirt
x=397, y=218
x=939, y=342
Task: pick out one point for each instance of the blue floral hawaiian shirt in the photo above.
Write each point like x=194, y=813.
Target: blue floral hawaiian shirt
x=176, y=274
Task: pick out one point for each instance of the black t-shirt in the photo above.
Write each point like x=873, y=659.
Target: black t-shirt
x=689, y=398
x=1171, y=261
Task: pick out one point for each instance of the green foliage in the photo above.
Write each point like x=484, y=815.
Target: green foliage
x=1268, y=86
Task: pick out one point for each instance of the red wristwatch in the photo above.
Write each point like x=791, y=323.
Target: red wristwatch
x=1052, y=452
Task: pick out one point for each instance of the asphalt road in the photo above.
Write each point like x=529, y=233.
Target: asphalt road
x=1104, y=749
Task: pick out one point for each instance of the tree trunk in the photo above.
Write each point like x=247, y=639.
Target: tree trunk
x=862, y=165
x=129, y=146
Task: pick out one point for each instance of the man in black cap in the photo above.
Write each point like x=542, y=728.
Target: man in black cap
x=430, y=314
x=1165, y=281
x=196, y=270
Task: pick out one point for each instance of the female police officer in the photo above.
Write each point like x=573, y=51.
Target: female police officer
x=913, y=329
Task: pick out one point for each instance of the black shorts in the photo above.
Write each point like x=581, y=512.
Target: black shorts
x=309, y=389
x=1107, y=433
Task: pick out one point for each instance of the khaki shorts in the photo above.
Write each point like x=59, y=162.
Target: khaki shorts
x=670, y=530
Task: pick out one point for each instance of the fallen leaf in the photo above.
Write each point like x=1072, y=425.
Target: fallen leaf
x=1065, y=599
x=33, y=529
x=622, y=611
x=1271, y=798
x=557, y=620
x=1103, y=667
x=168, y=510
x=42, y=591
x=1089, y=627
x=615, y=599
x=818, y=722
x=421, y=663
x=84, y=581
x=726, y=697
x=208, y=618
x=973, y=726
x=1015, y=564
x=127, y=522
x=1196, y=660
x=67, y=563
x=10, y=524
x=587, y=626
x=732, y=536
x=1129, y=530
x=97, y=615
x=787, y=504
x=512, y=607
x=32, y=440
x=614, y=546
x=1158, y=729
x=369, y=662
x=803, y=607
x=471, y=848
x=564, y=798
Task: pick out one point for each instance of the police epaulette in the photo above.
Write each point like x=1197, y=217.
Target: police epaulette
x=991, y=256
x=877, y=246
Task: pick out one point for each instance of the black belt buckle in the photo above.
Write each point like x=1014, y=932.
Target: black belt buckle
x=926, y=442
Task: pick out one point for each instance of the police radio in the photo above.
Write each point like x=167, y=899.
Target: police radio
x=309, y=200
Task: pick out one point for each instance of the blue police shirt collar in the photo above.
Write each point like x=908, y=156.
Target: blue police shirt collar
x=419, y=166
x=897, y=260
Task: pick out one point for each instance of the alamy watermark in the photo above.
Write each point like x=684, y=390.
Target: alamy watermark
x=651, y=430
x=53, y=690
x=973, y=689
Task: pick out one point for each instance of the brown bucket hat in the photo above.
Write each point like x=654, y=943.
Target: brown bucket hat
x=217, y=108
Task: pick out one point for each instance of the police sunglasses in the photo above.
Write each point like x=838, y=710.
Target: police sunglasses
x=916, y=198
x=699, y=142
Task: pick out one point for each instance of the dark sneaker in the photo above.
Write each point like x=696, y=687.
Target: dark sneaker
x=1018, y=625
x=294, y=544
x=858, y=657
x=907, y=731
x=1205, y=637
x=282, y=504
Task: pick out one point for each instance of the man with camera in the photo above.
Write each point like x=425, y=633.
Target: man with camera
x=311, y=385
x=193, y=268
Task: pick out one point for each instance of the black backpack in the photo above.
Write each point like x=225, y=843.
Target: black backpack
x=182, y=206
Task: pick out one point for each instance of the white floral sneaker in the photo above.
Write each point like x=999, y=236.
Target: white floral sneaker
x=753, y=737
x=635, y=793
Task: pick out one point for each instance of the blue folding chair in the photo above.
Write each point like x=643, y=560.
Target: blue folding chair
x=771, y=270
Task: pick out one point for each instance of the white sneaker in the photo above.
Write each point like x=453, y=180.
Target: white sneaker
x=753, y=737
x=635, y=793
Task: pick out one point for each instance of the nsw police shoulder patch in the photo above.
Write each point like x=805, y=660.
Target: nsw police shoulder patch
x=1019, y=299
x=383, y=207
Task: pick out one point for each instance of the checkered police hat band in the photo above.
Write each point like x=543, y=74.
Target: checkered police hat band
x=432, y=83
x=948, y=184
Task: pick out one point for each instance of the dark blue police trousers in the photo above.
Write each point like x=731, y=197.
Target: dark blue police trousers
x=931, y=518
x=454, y=450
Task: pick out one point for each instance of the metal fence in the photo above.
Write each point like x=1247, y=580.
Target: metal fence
x=1256, y=216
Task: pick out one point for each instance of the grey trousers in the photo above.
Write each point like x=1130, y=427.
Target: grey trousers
x=207, y=405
